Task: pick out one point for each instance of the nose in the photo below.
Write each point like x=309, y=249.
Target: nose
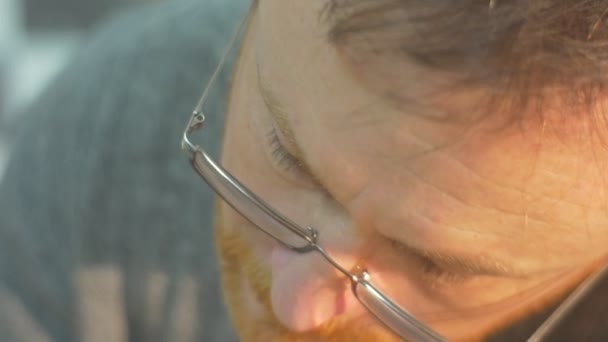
x=307, y=291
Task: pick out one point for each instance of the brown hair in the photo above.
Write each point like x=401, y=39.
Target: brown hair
x=517, y=47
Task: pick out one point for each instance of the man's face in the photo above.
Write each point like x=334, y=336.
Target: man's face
x=468, y=225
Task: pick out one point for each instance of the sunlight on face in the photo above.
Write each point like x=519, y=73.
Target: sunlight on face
x=467, y=226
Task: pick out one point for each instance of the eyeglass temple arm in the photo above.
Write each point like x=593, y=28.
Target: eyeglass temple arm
x=585, y=293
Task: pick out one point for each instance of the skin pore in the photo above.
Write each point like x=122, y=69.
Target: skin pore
x=467, y=226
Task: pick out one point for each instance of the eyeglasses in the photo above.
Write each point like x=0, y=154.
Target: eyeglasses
x=305, y=240
x=294, y=237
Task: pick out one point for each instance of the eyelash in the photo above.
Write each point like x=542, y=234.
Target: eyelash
x=429, y=268
x=281, y=157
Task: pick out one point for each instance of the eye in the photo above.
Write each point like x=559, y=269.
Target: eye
x=281, y=157
x=285, y=163
x=435, y=273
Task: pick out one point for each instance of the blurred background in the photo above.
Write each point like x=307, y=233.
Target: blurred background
x=37, y=39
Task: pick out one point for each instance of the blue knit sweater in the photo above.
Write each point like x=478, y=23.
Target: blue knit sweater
x=105, y=231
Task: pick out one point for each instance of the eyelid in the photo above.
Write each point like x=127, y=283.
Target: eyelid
x=278, y=135
x=290, y=166
x=436, y=273
x=280, y=154
x=467, y=265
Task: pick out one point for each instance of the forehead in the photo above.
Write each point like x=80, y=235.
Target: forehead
x=321, y=94
x=296, y=59
x=309, y=77
x=294, y=44
x=317, y=80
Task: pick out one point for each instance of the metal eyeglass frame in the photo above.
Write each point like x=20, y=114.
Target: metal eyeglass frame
x=267, y=219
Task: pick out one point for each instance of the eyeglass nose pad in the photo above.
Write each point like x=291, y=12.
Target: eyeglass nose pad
x=312, y=245
x=360, y=273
